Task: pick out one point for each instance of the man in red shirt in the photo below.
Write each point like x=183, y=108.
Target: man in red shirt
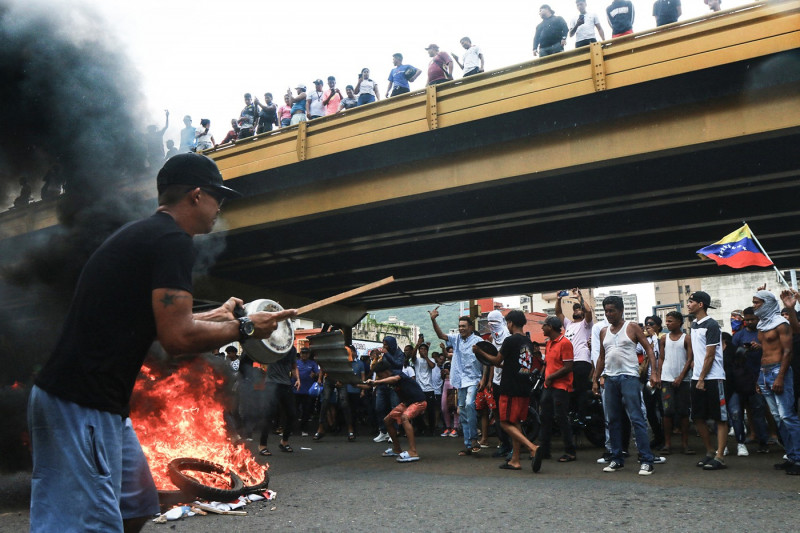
x=557, y=387
x=440, y=68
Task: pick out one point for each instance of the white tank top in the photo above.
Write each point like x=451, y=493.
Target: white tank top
x=674, y=359
x=621, y=359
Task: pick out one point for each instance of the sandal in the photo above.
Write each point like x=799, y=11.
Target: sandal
x=285, y=448
x=351, y=437
x=265, y=452
x=506, y=466
x=464, y=452
x=665, y=451
x=476, y=449
x=566, y=458
x=318, y=436
x=536, y=459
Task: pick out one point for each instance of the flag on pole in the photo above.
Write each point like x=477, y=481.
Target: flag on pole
x=738, y=249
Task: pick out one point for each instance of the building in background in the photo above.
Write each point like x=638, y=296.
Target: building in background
x=630, y=301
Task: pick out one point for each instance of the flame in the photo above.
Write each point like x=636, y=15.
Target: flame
x=181, y=415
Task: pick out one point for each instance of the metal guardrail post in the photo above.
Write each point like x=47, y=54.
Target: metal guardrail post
x=301, y=141
x=598, y=66
x=430, y=93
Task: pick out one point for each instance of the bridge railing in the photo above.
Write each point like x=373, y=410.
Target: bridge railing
x=720, y=38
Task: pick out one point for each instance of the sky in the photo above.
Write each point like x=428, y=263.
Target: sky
x=200, y=57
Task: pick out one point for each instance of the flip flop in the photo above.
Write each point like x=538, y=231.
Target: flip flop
x=506, y=466
x=476, y=449
x=265, y=452
x=390, y=453
x=538, y=455
x=566, y=458
x=467, y=451
x=351, y=437
x=406, y=458
x=318, y=436
x=285, y=448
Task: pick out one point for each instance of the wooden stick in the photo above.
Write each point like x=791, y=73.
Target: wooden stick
x=345, y=295
x=212, y=509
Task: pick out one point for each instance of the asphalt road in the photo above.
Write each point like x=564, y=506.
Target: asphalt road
x=334, y=485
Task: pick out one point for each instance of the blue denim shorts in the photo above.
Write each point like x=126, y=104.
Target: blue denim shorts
x=89, y=471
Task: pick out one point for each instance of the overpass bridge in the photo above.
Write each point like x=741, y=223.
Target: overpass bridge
x=604, y=165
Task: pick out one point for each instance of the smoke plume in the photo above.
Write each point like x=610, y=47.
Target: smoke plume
x=70, y=105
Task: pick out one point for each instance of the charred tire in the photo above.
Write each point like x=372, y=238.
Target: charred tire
x=191, y=487
x=168, y=499
x=261, y=487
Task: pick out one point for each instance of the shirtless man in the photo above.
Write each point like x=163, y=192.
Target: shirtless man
x=775, y=380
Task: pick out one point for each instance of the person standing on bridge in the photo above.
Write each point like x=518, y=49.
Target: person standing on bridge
x=298, y=104
x=401, y=76
x=89, y=471
x=583, y=27
x=551, y=34
x=473, y=58
x=618, y=365
x=620, y=17
x=666, y=11
x=440, y=69
x=465, y=375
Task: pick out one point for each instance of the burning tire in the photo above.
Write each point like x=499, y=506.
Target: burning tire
x=193, y=488
x=261, y=487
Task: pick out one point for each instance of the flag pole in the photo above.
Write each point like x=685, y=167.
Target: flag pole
x=763, y=251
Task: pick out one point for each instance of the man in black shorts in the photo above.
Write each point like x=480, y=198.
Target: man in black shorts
x=708, y=380
x=89, y=472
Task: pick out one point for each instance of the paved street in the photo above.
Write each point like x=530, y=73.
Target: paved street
x=336, y=485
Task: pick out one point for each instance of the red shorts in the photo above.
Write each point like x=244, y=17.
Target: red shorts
x=484, y=399
x=513, y=408
x=412, y=411
x=621, y=34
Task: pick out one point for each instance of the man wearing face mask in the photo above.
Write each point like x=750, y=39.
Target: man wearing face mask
x=746, y=340
x=737, y=321
x=776, y=378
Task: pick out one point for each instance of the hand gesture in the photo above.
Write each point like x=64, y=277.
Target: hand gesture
x=788, y=298
x=435, y=313
x=762, y=288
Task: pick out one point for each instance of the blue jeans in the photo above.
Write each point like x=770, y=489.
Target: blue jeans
x=468, y=416
x=736, y=416
x=623, y=394
x=782, y=408
x=365, y=99
x=89, y=471
x=386, y=399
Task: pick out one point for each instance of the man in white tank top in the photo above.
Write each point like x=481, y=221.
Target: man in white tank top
x=675, y=363
x=619, y=366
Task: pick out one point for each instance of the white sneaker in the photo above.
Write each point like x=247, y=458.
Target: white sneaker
x=382, y=437
x=731, y=432
x=742, y=451
x=304, y=434
x=658, y=460
x=645, y=469
x=725, y=451
x=613, y=467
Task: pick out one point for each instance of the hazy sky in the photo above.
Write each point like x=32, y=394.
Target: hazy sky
x=200, y=57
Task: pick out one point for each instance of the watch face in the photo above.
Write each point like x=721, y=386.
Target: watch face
x=247, y=327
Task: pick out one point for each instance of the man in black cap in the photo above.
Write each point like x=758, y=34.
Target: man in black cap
x=551, y=33
x=708, y=379
x=89, y=472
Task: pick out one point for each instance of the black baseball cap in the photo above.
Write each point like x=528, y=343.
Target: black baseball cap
x=194, y=170
x=702, y=298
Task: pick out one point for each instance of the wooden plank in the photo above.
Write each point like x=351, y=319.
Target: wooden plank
x=345, y=295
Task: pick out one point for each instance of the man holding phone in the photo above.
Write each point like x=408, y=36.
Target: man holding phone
x=583, y=27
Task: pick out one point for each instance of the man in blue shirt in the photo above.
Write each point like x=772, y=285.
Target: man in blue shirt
x=465, y=374
x=399, y=83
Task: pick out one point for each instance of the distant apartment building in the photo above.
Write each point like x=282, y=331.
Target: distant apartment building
x=630, y=301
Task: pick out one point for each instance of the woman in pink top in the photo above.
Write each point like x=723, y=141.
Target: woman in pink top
x=285, y=111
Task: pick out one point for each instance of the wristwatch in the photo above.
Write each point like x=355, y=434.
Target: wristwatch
x=246, y=328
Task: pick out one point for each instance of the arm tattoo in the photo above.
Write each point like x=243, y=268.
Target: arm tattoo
x=169, y=298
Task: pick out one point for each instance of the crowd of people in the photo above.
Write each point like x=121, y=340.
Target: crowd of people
x=323, y=98
x=653, y=379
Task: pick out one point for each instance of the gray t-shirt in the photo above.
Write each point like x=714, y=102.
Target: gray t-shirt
x=280, y=371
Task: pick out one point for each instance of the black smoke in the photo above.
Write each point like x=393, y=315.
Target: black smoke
x=71, y=107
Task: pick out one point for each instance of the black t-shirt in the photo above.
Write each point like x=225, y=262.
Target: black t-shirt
x=407, y=389
x=110, y=324
x=518, y=364
x=666, y=11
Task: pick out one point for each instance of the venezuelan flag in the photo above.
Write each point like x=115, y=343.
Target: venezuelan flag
x=736, y=250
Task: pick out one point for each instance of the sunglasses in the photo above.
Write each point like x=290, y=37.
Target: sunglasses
x=214, y=194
